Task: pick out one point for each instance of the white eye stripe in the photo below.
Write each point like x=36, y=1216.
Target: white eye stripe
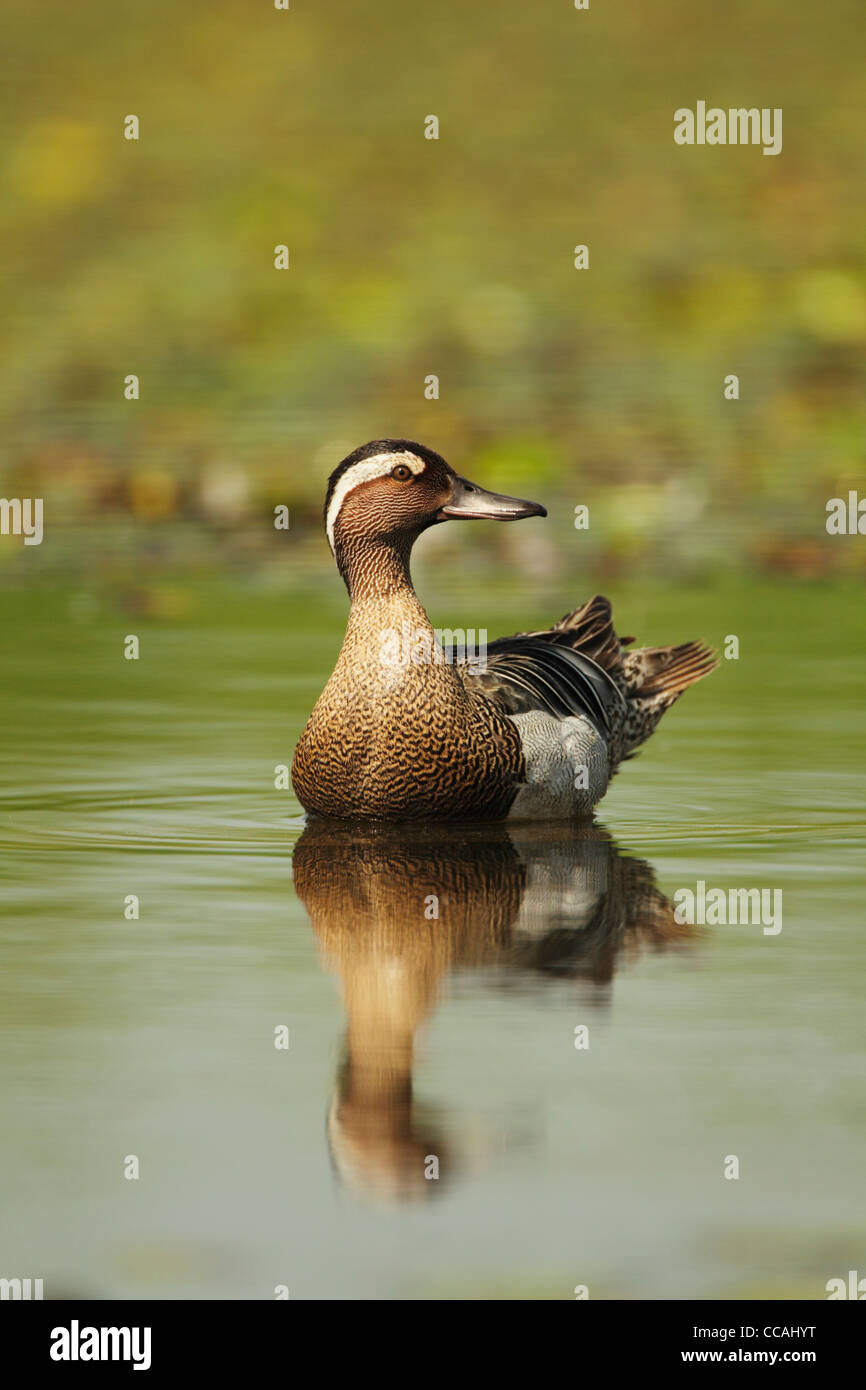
x=379, y=466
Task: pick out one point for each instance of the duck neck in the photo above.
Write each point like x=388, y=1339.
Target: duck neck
x=377, y=569
x=389, y=636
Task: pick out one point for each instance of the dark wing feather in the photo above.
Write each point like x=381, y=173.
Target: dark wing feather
x=526, y=673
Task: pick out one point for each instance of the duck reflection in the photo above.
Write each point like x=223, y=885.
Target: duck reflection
x=396, y=908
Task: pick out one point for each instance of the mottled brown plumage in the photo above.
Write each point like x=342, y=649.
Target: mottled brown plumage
x=410, y=743
x=432, y=739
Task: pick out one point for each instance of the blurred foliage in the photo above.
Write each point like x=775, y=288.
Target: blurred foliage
x=411, y=257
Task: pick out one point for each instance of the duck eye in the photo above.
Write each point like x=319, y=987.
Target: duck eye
x=401, y=473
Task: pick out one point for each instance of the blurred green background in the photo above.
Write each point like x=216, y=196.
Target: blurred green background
x=411, y=256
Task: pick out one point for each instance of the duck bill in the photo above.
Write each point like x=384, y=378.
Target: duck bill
x=468, y=502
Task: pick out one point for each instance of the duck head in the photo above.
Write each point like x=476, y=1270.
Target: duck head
x=383, y=495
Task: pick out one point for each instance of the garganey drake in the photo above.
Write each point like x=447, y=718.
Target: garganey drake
x=536, y=731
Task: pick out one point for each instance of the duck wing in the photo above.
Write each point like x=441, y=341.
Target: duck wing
x=527, y=672
x=580, y=666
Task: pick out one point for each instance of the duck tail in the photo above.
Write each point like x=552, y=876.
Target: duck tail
x=650, y=679
x=654, y=678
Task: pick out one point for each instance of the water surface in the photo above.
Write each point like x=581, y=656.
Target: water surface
x=414, y=1036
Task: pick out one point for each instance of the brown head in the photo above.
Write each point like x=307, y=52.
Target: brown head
x=383, y=495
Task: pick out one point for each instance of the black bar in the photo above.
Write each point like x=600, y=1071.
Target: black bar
x=222, y=1338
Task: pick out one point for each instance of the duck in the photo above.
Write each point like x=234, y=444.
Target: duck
x=533, y=729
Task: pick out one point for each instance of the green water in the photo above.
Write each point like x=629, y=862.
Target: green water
x=259, y=1166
